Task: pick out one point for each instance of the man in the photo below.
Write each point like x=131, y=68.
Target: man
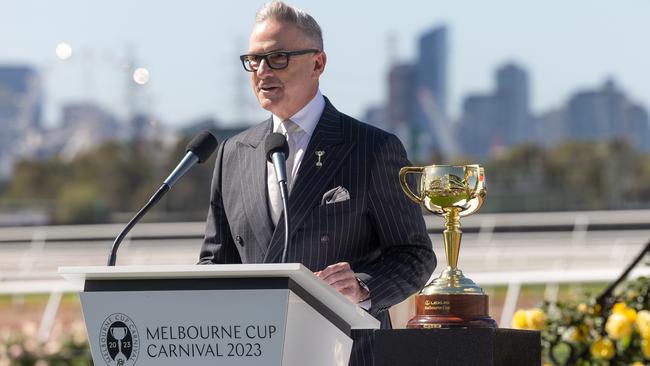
x=350, y=221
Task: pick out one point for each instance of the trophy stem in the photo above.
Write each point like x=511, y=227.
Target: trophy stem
x=452, y=236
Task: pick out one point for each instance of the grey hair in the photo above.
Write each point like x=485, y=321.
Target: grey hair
x=283, y=12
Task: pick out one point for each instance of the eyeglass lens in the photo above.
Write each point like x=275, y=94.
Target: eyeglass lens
x=276, y=60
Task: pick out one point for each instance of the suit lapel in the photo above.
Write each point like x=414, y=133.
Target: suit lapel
x=253, y=184
x=331, y=138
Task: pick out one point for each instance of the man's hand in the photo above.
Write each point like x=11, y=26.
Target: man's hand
x=342, y=278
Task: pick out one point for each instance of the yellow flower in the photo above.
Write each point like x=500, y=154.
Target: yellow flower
x=519, y=319
x=596, y=309
x=602, y=348
x=618, y=326
x=536, y=319
x=583, y=308
x=645, y=348
x=643, y=323
x=583, y=332
x=638, y=363
x=533, y=319
x=621, y=308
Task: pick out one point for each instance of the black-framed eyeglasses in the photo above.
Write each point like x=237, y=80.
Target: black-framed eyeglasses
x=276, y=60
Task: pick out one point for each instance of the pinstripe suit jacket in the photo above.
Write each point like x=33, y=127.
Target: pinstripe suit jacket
x=378, y=230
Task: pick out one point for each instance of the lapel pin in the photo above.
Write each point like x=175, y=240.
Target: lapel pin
x=319, y=153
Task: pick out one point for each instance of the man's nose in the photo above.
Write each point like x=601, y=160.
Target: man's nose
x=263, y=68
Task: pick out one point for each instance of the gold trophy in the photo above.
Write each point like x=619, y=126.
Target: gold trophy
x=451, y=300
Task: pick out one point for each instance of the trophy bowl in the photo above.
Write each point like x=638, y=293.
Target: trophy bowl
x=451, y=300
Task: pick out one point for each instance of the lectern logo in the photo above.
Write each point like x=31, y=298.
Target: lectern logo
x=119, y=342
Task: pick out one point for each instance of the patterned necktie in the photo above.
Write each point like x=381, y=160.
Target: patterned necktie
x=292, y=134
x=291, y=131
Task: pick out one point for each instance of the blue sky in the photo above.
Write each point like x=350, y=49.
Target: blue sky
x=191, y=49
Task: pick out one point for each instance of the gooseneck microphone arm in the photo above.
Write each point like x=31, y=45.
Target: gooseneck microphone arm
x=152, y=202
x=277, y=151
x=284, y=194
x=198, y=151
x=285, y=200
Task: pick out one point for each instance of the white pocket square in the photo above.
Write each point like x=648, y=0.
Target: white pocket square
x=334, y=195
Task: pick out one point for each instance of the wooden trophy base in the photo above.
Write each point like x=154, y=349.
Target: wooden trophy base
x=451, y=311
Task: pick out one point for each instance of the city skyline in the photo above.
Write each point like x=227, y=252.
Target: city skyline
x=565, y=48
x=493, y=121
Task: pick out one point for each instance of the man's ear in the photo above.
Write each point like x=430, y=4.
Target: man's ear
x=319, y=64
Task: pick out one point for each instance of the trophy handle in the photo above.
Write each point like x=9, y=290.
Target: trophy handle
x=405, y=187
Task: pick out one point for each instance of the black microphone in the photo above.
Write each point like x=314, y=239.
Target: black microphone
x=277, y=152
x=198, y=151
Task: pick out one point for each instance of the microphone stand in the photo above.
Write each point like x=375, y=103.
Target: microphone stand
x=152, y=202
x=285, y=199
x=604, y=299
x=198, y=151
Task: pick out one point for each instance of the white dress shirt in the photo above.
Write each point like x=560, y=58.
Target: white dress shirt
x=307, y=119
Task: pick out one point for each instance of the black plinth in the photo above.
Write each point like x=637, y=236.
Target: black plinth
x=457, y=347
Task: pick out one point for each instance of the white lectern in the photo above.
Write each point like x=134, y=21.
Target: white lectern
x=255, y=314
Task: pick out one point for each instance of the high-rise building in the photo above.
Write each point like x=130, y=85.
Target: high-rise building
x=20, y=111
x=589, y=113
x=478, y=130
x=512, y=92
x=500, y=119
x=376, y=116
x=550, y=128
x=401, y=93
x=431, y=67
x=20, y=97
x=607, y=113
x=429, y=103
x=637, y=128
x=84, y=126
x=400, y=112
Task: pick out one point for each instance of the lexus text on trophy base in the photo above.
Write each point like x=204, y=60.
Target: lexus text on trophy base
x=451, y=300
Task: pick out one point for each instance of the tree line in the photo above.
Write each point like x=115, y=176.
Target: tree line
x=577, y=175
x=111, y=182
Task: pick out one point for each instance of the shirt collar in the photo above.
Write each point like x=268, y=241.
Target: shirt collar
x=307, y=118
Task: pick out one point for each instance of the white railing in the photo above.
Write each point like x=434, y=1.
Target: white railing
x=497, y=250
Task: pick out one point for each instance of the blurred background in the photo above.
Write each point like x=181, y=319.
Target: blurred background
x=98, y=100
